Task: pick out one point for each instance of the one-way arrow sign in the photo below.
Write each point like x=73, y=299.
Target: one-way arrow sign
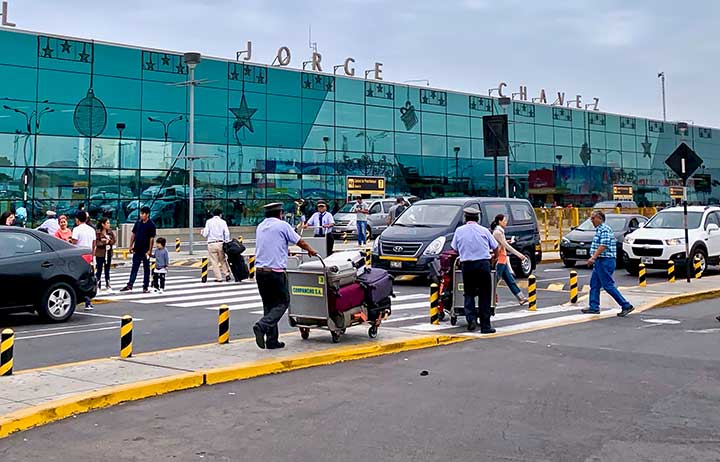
x=683, y=161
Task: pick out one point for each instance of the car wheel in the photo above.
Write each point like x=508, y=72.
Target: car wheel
x=699, y=253
x=58, y=303
x=632, y=267
x=524, y=268
x=569, y=263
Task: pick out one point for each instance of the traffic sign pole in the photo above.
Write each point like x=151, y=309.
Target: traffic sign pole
x=688, y=261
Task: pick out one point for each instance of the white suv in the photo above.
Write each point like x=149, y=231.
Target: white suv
x=662, y=239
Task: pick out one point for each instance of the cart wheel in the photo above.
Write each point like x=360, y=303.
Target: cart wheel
x=453, y=320
x=304, y=333
x=372, y=332
x=335, y=336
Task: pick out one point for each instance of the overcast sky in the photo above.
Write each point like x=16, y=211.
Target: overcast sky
x=611, y=49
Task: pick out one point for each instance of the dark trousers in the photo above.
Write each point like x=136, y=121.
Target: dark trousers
x=103, y=263
x=137, y=259
x=477, y=280
x=273, y=288
x=158, y=281
x=330, y=242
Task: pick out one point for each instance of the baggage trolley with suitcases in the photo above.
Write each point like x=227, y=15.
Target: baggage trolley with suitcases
x=457, y=308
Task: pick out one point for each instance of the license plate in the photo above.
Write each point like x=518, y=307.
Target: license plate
x=647, y=260
x=395, y=264
x=581, y=251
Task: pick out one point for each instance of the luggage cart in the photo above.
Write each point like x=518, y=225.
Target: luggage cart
x=310, y=309
x=457, y=307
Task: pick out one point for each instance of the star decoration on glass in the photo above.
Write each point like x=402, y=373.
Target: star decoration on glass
x=165, y=60
x=243, y=115
x=260, y=78
x=307, y=84
x=234, y=75
x=646, y=145
x=84, y=56
x=379, y=88
x=318, y=79
x=149, y=65
x=370, y=92
x=329, y=86
x=441, y=101
x=66, y=46
x=473, y=105
x=389, y=94
x=47, y=51
x=180, y=68
x=433, y=94
x=246, y=70
x=425, y=99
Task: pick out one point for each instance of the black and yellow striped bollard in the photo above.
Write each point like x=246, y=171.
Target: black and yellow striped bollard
x=532, y=293
x=126, y=328
x=698, y=267
x=368, y=257
x=573, y=287
x=434, y=304
x=251, y=266
x=223, y=324
x=153, y=265
x=203, y=269
x=345, y=237
x=641, y=276
x=240, y=239
x=671, y=271
x=177, y=244
x=7, y=343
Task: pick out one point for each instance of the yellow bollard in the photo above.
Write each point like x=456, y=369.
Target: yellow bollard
x=368, y=257
x=251, y=266
x=345, y=238
x=671, y=271
x=575, y=214
x=698, y=268
x=641, y=276
x=532, y=293
x=546, y=225
x=573, y=287
x=203, y=269
x=177, y=244
x=434, y=304
x=223, y=325
x=240, y=239
x=152, y=264
x=7, y=343
x=126, y=328
x=617, y=209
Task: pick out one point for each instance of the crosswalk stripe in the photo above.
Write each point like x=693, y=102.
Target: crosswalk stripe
x=244, y=306
x=191, y=289
x=225, y=301
x=204, y=296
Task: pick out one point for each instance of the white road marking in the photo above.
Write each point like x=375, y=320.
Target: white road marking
x=50, y=329
x=67, y=333
x=203, y=296
x=703, y=331
x=98, y=315
x=661, y=321
x=191, y=289
x=221, y=301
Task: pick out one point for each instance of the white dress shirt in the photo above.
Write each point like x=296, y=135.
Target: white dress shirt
x=216, y=230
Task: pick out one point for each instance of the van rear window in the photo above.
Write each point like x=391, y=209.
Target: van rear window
x=521, y=213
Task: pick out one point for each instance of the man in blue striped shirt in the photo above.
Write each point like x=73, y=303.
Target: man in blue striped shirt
x=604, y=253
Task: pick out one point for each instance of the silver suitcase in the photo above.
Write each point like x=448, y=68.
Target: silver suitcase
x=342, y=267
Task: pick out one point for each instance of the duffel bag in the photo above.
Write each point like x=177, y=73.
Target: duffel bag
x=346, y=298
x=377, y=284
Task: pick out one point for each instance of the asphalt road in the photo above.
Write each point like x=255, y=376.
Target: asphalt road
x=187, y=315
x=642, y=388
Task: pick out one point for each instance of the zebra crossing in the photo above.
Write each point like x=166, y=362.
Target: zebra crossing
x=410, y=307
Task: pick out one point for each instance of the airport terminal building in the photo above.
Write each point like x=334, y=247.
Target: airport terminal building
x=107, y=125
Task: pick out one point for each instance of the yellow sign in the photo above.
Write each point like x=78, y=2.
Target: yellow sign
x=321, y=279
x=677, y=192
x=307, y=291
x=461, y=287
x=622, y=192
x=365, y=185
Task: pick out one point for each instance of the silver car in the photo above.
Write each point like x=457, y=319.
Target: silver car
x=377, y=219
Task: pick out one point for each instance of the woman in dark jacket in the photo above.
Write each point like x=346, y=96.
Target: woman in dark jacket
x=103, y=250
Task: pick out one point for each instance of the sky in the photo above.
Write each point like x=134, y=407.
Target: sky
x=610, y=49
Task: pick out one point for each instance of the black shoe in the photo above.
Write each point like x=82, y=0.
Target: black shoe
x=488, y=331
x=227, y=279
x=472, y=326
x=275, y=346
x=146, y=291
x=718, y=318
x=259, y=336
x=589, y=311
x=126, y=289
x=626, y=311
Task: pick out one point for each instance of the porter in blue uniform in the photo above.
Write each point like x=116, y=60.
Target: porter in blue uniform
x=273, y=237
x=476, y=245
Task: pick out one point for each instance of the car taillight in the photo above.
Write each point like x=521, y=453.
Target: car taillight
x=88, y=258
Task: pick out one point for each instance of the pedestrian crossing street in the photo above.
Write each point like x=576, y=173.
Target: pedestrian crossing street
x=410, y=307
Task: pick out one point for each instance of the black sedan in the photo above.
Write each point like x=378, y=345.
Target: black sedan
x=41, y=273
x=575, y=246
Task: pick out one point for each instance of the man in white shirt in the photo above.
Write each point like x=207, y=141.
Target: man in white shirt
x=217, y=233
x=323, y=222
x=84, y=235
x=50, y=225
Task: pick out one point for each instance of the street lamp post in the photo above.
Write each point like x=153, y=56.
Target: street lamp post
x=191, y=60
x=120, y=127
x=457, y=168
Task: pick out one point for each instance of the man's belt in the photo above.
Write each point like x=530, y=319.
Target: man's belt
x=269, y=270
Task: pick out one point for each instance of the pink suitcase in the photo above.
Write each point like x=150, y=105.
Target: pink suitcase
x=348, y=297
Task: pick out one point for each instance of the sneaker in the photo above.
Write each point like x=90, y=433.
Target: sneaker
x=155, y=290
x=718, y=318
x=488, y=331
x=227, y=278
x=162, y=291
x=275, y=346
x=626, y=311
x=107, y=287
x=126, y=289
x=88, y=307
x=146, y=291
x=259, y=336
x=522, y=301
x=589, y=311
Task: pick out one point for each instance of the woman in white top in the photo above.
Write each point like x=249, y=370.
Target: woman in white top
x=503, y=265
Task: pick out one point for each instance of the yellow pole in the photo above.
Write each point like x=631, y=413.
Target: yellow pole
x=223, y=324
x=641, y=276
x=671, y=271
x=7, y=344
x=434, y=304
x=573, y=287
x=126, y=328
x=532, y=293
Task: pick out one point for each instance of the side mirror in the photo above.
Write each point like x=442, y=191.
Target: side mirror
x=712, y=227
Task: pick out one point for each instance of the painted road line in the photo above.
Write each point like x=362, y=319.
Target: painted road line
x=98, y=315
x=543, y=323
x=50, y=329
x=204, y=296
x=156, y=295
x=225, y=301
x=244, y=306
x=55, y=334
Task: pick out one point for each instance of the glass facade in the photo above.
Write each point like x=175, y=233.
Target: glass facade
x=276, y=134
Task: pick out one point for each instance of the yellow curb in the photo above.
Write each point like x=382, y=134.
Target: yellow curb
x=46, y=413
x=322, y=358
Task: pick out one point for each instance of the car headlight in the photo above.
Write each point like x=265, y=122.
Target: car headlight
x=676, y=241
x=435, y=246
x=376, y=245
x=629, y=240
x=565, y=240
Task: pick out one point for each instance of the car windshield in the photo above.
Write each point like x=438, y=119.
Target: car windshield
x=616, y=223
x=674, y=220
x=429, y=215
x=347, y=208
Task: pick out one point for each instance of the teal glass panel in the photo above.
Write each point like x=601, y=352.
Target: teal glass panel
x=214, y=157
x=317, y=162
x=463, y=144
x=159, y=97
x=433, y=100
x=245, y=159
x=246, y=77
x=476, y=127
x=627, y=143
x=543, y=114
x=458, y=126
x=256, y=106
x=65, y=54
x=176, y=126
x=243, y=136
x=16, y=150
x=433, y=123
x=580, y=119
x=61, y=151
x=563, y=136
x=318, y=86
x=612, y=141
x=214, y=72
x=349, y=90
x=434, y=167
x=523, y=152
x=350, y=139
x=380, y=118
x=523, y=133
x=18, y=83
x=349, y=115
x=407, y=143
x=434, y=145
x=379, y=141
x=157, y=155
x=117, y=92
x=211, y=101
x=63, y=87
x=211, y=130
x=458, y=104
x=316, y=135
x=545, y=153
x=612, y=123
x=117, y=61
x=579, y=136
x=477, y=148
x=379, y=94
x=283, y=109
x=129, y=153
x=58, y=183
x=131, y=119
x=283, y=135
x=318, y=112
x=18, y=49
x=283, y=82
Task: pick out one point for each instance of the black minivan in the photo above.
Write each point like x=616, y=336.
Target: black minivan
x=426, y=229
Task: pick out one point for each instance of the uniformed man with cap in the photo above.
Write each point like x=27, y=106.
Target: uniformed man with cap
x=476, y=246
x=323, y=222
x=272, y=239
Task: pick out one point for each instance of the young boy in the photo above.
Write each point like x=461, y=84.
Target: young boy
x=162, y=260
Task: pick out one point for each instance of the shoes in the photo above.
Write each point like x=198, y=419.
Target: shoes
x=126, y=289
x=718, y=318
x=259, y=336
x=146, y=291
x=218, y=280
x=161, y=291
x=626, y=311
x=589, y=311
x=472, y=326
x=275, y=346
x=107, y=287
x=155, y=290
x=227, y=278
x=488, y=331
x=522, y=301
x=89, y=307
